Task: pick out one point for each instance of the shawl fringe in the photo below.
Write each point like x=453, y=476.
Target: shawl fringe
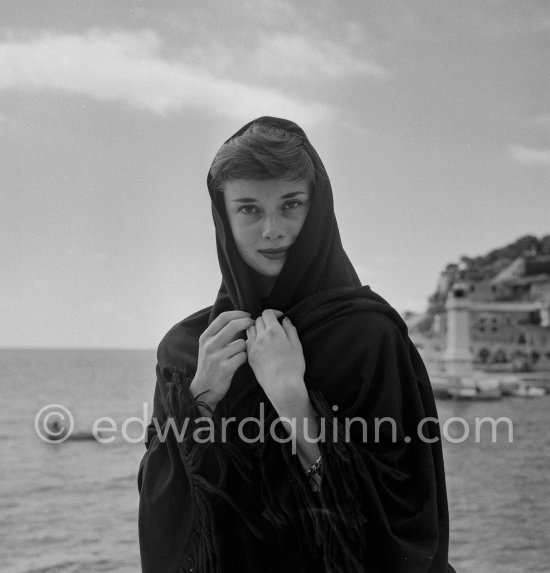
x=202, y=548
x=332, y=523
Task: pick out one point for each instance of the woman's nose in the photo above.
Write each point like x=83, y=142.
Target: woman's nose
x=273, y=228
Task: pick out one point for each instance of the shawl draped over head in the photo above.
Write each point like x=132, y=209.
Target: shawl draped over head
x=226, y=504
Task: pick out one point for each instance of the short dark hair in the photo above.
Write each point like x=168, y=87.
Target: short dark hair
x=263, y=152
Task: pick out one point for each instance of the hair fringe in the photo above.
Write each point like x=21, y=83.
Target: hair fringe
x=263, y=152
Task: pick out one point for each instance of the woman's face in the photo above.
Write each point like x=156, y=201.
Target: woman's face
x=266, y=218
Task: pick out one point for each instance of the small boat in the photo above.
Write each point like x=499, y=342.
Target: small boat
x=525, y=391
x=59, y=434
x=508, y=384
x=441, y=384
x=475, y=393
x=476, y=389
x=462, y=393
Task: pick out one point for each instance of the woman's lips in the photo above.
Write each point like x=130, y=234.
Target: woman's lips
x=274, y=254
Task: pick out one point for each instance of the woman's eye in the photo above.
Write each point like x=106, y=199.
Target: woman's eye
x=292, y=204
x=248, y=209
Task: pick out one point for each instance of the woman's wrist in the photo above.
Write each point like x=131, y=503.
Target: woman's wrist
x=200, y=391
x=293, y=401
x=300, y=420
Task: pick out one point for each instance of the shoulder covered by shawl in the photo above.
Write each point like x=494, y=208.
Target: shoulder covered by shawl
x=174, y=510
x=351, y=339
x=178, y=348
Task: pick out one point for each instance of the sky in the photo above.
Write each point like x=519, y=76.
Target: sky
x=431, y=117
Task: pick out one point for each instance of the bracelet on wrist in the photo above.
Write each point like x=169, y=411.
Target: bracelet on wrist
x=315, y=468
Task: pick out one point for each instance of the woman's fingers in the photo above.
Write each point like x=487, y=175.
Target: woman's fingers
x=237, y=360
x=291, y=332
x=223, y=320
x=224, y=331
x=269, y=317
x=235, y=347
x=231, y=331
x=260, y=325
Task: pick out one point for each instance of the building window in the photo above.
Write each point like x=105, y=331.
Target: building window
x=483, y=355
x=534, y=317
x=500, y=356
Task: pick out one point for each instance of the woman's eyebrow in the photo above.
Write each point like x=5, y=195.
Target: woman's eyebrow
x=285, y=196
x=293, y=194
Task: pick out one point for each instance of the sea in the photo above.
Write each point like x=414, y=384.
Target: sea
x=71, y=507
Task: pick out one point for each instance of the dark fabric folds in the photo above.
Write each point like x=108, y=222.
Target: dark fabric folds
x=382, y=505
x=234, y=505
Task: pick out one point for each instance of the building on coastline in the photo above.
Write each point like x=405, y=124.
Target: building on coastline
x=508, y=311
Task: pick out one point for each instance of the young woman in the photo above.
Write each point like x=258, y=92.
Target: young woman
x=294, y=427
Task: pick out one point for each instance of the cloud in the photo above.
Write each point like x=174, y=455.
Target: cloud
x=130, y=68
x=295, y=56
x=270, y=14
x=530, y=156
x=356, y=129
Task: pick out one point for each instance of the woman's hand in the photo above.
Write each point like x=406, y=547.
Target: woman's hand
x=276, y=357
x=221, y=352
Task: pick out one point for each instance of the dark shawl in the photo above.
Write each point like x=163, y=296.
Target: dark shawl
x=248, y=507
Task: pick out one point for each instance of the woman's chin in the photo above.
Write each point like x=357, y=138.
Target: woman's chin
x=269, y=271
x=270, y=274
x=264, y=278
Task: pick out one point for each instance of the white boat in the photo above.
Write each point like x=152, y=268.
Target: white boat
x=476, y=388
x=475, y=393
x=525, y=391
x=441, y=383
x=462, y=393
